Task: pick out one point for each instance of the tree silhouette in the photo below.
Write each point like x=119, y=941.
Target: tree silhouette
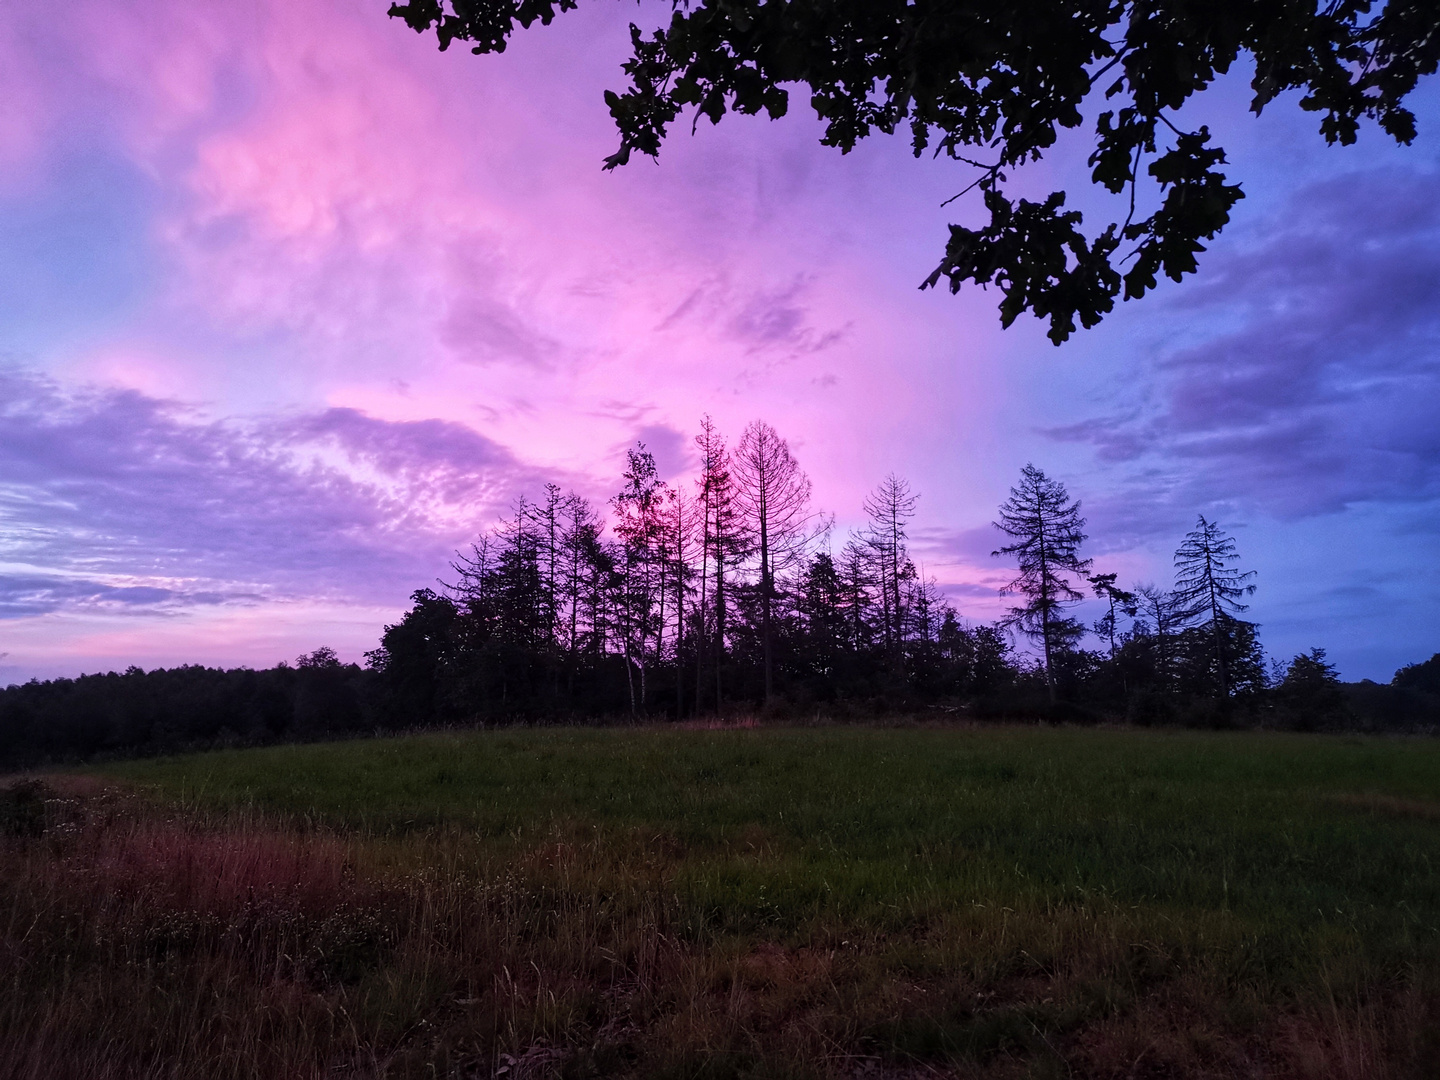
x=640, y=526
x=1118, y=600
x=1157, y=607
x=856, y=571
x=542, y=591
x=992, y=86
x=1208, y=584
x=1310, y=692
x=774, y=497
x=579, y=546
x=890, y=507
x=1048, y=531
x=821, y=614
x=720, y=545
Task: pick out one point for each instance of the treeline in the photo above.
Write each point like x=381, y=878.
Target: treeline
x=138, y=713
x=728, y=596
x=733, y=595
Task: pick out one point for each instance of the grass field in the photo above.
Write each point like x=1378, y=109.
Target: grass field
x=766, y=902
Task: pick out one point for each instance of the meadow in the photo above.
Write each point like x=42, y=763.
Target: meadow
x=807, y=902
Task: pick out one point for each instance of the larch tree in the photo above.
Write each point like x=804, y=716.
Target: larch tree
x=579, y=550
x=549, y=521
x=857, y=574
x=715, y=505
x=1209, y=585
x=774, y=496
x=1048, y=530
x=890, y=507
x=925, y=607
x=680, y=533
x=639, y=525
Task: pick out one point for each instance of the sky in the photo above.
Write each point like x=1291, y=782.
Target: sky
x=292, y=305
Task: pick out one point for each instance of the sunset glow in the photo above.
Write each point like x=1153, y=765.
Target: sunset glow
x=293, y=304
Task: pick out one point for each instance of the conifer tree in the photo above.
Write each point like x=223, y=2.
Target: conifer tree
x=1048, y=531
x=856, y=574
x=1311, y=693
x=775, y=501
x=715, y=505
x=550, y=527
x=1119, y=602
x=1208, y=586
x=679, y=535
x=890, y=507
x=821, y=615
x=579, y=546
x=1157, y=608
x=638, y=524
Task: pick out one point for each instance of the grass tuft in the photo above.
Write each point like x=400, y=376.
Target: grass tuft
x=825, y=902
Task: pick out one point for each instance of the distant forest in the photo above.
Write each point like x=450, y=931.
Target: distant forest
x=735, y=597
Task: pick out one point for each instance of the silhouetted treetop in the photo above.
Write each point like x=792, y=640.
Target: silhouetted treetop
x=1208, y=587
x=992, y=85
x=1424, y=677
x=1047, y=530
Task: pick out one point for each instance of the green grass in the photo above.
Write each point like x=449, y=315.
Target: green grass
x=1278, y=832
x=800, y=902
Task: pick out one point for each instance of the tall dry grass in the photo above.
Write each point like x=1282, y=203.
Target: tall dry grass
x=143, y=941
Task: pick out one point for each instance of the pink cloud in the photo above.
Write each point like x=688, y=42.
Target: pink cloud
x=357, y=207
x=353, y=230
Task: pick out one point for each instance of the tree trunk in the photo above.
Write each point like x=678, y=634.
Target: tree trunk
x=719, y=626
x=765, y=604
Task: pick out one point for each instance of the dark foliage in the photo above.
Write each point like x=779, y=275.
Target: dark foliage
x=992, y=86
x=1310, y=695
x=1422, y=678
x=1410, y=701
x=718, y=605
x=139, y=712
x=856, y=633
x=22, y=808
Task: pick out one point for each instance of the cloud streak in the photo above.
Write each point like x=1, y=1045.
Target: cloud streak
x=117, y=499
x=1322, y=394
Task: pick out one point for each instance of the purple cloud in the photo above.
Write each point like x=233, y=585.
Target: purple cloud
x=482, y=330
x=775, y=320
x=970, y=546
x=114, y=499
x=670, y=448
x=1324, y=392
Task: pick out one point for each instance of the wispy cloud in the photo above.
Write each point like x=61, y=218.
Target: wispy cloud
x=1324, y=390
x=400, y=284
x=115, y=498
